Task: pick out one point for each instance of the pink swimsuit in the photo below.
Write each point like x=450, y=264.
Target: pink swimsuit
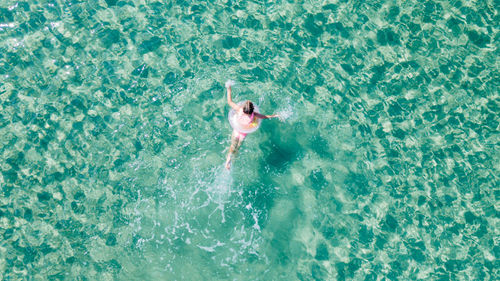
x=245, y=121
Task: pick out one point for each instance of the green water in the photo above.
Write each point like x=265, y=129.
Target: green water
x=113, y=129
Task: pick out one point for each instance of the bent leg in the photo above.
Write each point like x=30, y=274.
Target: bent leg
x=236, y=140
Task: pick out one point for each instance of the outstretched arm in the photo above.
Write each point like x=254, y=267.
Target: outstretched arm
x=262, y=116
x=229, y=98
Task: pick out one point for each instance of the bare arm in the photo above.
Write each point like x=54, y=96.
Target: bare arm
x=262, y=116
x=230, y=100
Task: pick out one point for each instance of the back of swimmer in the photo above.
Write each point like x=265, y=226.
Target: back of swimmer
x=244, y=119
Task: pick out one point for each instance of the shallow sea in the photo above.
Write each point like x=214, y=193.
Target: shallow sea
x=113, y=135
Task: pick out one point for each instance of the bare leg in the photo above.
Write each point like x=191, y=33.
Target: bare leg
x=236, y=141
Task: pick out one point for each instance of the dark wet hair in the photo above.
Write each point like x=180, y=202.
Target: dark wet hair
x=248, y=107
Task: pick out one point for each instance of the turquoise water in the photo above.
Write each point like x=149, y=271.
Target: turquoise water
x=113, y=128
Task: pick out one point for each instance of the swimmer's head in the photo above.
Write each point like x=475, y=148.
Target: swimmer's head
x=248, y=107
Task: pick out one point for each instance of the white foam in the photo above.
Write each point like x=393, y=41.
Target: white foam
x=211, y=248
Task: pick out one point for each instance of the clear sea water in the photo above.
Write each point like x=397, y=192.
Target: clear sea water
x=113, y=129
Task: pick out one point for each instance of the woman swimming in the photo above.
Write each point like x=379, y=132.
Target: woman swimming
x=244, y=118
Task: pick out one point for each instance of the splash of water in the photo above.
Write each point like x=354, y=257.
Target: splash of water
x=285, y=111
x=230, y=83
x=220, y=190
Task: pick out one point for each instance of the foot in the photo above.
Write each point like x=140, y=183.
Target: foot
x=228, y=164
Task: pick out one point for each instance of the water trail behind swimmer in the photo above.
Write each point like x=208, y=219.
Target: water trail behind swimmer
x=222, y=181
x=220, y=190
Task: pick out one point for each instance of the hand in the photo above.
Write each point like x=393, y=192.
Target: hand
x=229, y=83
x=281, y=118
